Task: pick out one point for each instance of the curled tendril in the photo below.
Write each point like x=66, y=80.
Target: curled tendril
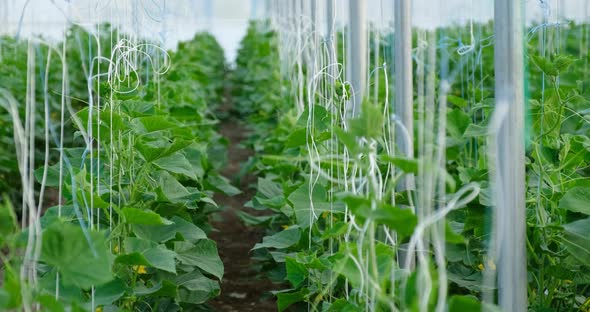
x=123, y=63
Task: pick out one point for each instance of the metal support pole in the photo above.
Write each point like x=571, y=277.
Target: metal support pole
x=357, y=49
x=509, y=147
x=404, y=98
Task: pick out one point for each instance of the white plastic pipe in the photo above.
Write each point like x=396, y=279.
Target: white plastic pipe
x=509, y=148
x=404, y=98
x=357, y=49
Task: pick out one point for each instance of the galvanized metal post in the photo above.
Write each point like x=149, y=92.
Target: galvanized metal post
x=509, y=147
x=404, y=98
x=357, y=49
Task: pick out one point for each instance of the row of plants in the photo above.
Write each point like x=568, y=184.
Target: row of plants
x=136, y=180
x=557, y=180
x=337, y=221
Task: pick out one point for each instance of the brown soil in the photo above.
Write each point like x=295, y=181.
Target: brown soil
x=242, y=288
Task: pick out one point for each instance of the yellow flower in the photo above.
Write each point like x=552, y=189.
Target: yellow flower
x=568, y=281
x=490, y=265
x=116, y=249
x=99, y=309
x=286, y=226
x=140, y=269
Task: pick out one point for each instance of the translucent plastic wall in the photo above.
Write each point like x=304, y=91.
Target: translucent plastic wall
x=166, y=22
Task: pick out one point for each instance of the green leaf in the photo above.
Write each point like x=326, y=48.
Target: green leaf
x=348, y=139
x=204, y=256
x=343, y=305
x=109, y=292
x=196, y=288
x=68, y=293
x=407, y=165
x=305, y=212
x=171, y=189
x=176, y=163
x=10, y=292
x=251, y=220
x=277, y=202
x=144, y=217
x=8, y=220
x=143, y=252
x=457, y=101
x=109, y=120
x=559, y=64
x=457, y=122
x=222, y=184
x=347, y=266
x=143, y=125
x=545, y=118
x=269, y=188
x=451, y=236
x=474, y=131
x=151, y=149
x=576, y=199
x=281, y=240
x=369, y=123
x=137, y=108
x=52, y=178
x=168, y=289
x=544, y=64
x=296, y=272
x=134, y=258
x=563, y=62
x=577, y=240
x=403, y=221
x=142, y=290
x=50, y=303
x=336, y=230
x=80, y=257
x=320, y=118
x=4, y=298
x=197, y=156
x=464, y=303
x=574, y=153
x=163, y=233
x=286, y=299
x=154, y=149
x=297, y=138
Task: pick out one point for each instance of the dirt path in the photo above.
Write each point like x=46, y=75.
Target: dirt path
x=242, y=289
